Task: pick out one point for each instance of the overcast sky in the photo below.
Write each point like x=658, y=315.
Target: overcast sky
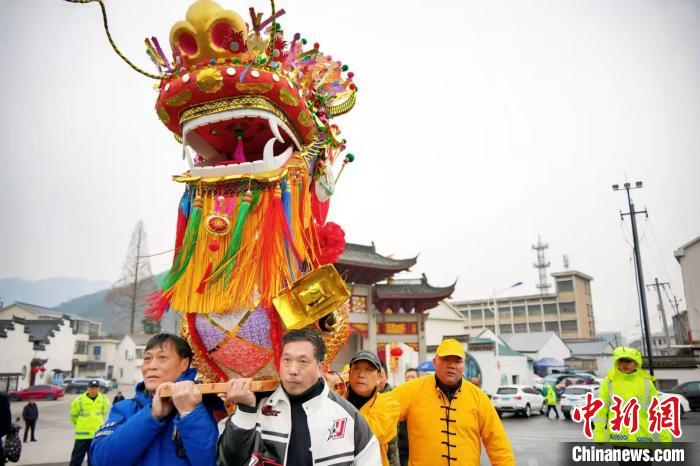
x=479, y=125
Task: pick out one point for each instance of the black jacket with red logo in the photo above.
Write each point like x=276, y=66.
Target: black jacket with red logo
x=338, y=435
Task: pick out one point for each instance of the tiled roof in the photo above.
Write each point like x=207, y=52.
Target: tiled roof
x=526, y=342
x=590, y=348
x=412, y=289
x=360, y=254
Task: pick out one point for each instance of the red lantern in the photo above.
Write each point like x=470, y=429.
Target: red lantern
x=42, y=369
x=396, y=352
x=35, y=369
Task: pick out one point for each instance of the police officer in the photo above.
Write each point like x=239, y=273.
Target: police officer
x=87, y=413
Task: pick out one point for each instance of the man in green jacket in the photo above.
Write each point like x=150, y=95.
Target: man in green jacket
x=626, y=379
x=551, y=399
x=87, y=413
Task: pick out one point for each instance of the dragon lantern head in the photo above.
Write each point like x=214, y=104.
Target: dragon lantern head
x=247, y=102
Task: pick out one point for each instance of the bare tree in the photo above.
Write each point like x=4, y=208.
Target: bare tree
x=128, y=294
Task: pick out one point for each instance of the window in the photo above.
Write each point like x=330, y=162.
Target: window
x=518, y=311
x=504, y=313
x=520, y=328
x=568, y=325
x=567, y=308
x=97, y=350
x=565, y=285
x=534, y=311
x=588, y=288
x=515, y=380
x=139, y=353
x=126, y=354
x=551, y=326
x=81, y=347
x=535, y=326
x=505, y=328
x=550, y=309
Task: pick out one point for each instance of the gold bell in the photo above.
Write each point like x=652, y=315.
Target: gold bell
x=312, y=297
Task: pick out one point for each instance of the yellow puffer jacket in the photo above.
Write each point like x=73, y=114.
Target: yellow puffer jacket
x=443, y=432
x=382, y=414
x=87, y=415
x=638, y=384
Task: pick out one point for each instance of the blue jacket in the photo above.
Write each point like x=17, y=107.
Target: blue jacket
x=132, y=436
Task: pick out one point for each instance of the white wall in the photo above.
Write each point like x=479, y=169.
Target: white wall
x=682, y=375
x=554, y=348
x=604, y=365
x=516, y=365
x=127, y=368
x=58, y=352
x=15, y=353
x=443, y=320
x=690, y=270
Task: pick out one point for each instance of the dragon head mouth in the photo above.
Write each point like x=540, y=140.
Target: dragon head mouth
x=243, y=105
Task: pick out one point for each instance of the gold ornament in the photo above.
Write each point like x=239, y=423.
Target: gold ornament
x=312, y=297
x=209, y=80
x=180, y=98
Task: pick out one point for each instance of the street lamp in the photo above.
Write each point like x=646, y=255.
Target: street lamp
x=495, y=312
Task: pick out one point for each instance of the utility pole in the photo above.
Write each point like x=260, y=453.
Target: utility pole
x=638, y=262
x=658, y=286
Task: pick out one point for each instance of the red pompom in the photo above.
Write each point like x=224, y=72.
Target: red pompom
x=396, y=352
x=331, y=238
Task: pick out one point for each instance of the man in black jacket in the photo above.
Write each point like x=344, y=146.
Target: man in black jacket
x=30, y=414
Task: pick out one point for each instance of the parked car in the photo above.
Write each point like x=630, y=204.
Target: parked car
x=518, y=399
x=575, y=395
x=691, y=391
x=685, y=404
x=79, y=385
x=37, y=392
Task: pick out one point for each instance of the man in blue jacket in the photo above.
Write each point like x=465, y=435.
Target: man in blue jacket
x=148, y=430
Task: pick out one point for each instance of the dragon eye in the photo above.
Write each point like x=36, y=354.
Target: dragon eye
x=188, y=43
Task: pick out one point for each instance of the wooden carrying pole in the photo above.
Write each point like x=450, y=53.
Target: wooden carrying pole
x=264, y=385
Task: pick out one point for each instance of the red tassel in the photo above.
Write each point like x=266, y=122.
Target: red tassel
x=158, y=304
x=205, y=279
x=276, y=334
x=180, y=232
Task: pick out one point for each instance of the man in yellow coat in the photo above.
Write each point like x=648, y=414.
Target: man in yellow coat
x=448, y=418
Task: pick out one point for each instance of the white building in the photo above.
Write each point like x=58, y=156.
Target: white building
x=101, y=359
x=32, y=351
x=129, y=358
x=591, y=355
x=688, y=256
x=444, y=319
x=42, y=338
x=538, y=345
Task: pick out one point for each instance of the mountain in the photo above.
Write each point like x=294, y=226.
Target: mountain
x=95, y=307
x=49, y=292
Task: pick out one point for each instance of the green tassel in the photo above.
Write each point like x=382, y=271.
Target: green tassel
x=184, y=255
x=228, y=261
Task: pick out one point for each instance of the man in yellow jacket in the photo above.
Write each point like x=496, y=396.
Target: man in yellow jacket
x=626, y=379
x=448, y=418
x=379, y=409
x=87, y=413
